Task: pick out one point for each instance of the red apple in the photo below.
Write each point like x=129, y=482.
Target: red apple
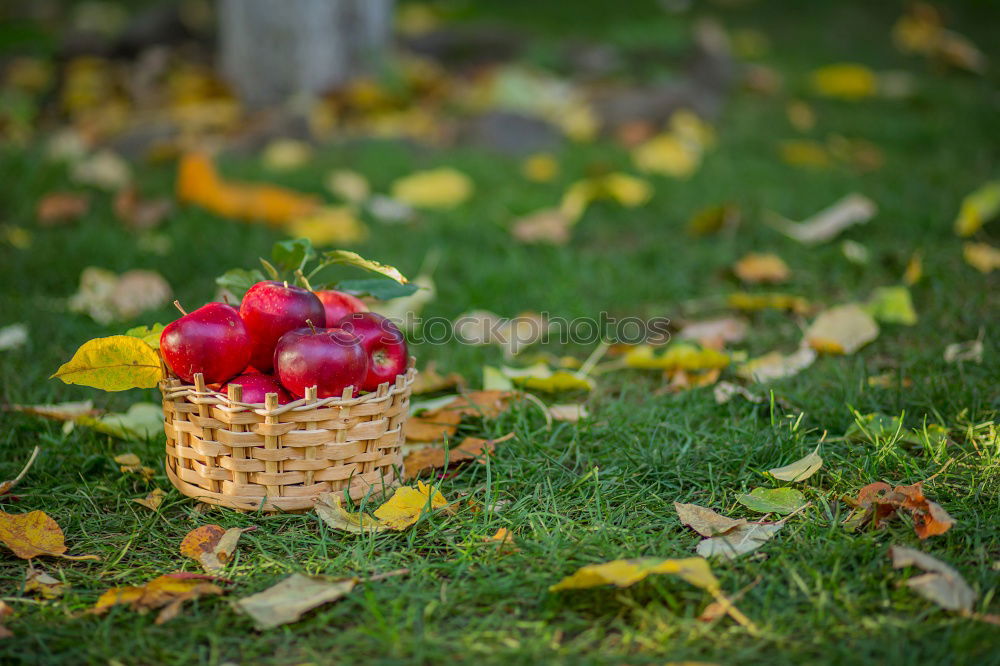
x=271, y=309
x=384, y=344
x=257, y=385
x=212, y=340
x=331, y=359
x=338, y=305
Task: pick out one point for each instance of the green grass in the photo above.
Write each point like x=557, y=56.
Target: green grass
x=603, y=489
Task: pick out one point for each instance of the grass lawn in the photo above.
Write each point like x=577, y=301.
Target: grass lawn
x=605, y=488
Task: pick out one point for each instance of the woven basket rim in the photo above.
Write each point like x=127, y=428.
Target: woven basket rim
x=172, y=388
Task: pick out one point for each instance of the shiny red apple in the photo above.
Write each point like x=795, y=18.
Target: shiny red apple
x=212, y=340
x=256, y=386
x=331, y=359
x=271, y=309
x=339, y=304
x=384, y=344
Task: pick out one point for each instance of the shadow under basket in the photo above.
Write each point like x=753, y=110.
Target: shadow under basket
x=281, y=457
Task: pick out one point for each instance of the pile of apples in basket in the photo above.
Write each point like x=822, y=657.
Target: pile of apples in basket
x=291, y=332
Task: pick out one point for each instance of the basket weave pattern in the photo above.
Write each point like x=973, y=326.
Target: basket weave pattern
x=279, y=458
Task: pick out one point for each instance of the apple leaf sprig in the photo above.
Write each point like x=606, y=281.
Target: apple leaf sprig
x=132, y=360
x=297, y=262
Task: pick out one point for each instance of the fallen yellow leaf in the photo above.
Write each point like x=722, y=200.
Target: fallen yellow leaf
x=407, y=504
x=847, y=81
x=32, y=534
x=330, y=225
x=981, y=256
x=443, y=187
x=843, y=329
x=540, y=168
x=756, y=268
x=978, y=208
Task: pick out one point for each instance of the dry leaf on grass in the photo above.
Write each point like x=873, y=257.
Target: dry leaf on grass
x=330, y=508
x=800, y=470
x=704, y=521
x=678, y=356
x=829, y=222
x=402, y=510
x=40, y=584
x=540, y=167
x=408, y=504
x=739, y=541
x=58, y=208
x=168, y=592
x=13, y=336
x=104, y=169
x=348, y=185
x=978, y=208
x=290, y=599
x=211, y=546
x=32, y=534
x=892, y=305
x=153, y=500
x=286, y=154
x=107, y=297
x=540, y=377
x=768, y=301
x=429, y=380
x=848, y=81
x=434, y=457
x=503, y=541
x=776, y=365
x=7, y=486
x=843, y=329
x=199, y=183
x=329, y=225
x=757, y=268
x=878, y=502
x=443, y=188
x=941, y=584
x=971, y=350
x=550, y=225
x=137, y=213
x=715, y=333
x=983, y=257
x=431, y=426
x=625, y=573
x=570, y=413
x=129, y=463
x=773, y=500
x=714, y=219
x=723, y=392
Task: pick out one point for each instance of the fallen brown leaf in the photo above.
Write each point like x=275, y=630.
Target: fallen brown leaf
x=755, y=268
x=878, y=502
x=41, y=584
x=211, y=546
x=61, y=208
x=550, y=225
x=435, y=457
x=138, y=213
x=429, y=380
x=5, y=612
x=503, y=540
x=168, y=592
x=152, y=501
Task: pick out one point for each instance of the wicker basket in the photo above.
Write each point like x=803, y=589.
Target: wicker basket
x=279, y=458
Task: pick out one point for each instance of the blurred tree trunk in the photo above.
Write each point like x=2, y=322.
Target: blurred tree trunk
x=275, y=49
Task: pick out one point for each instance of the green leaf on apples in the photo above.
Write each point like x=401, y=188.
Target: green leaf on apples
x=354, y=259
x=378, y=288
x=148, y=334
x=292, y=255
x=238, y=280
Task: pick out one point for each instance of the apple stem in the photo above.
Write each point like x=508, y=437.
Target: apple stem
x=225, y=298
x=309, y=321
x=177, y=304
